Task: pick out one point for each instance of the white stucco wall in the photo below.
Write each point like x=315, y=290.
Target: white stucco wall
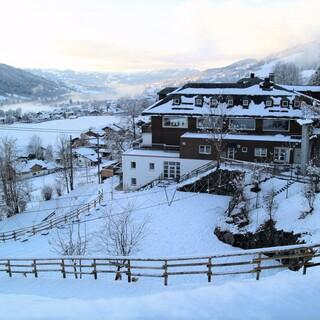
x=142, y=172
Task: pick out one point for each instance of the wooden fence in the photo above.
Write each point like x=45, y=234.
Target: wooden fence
x=206, y=267
x=52, y=222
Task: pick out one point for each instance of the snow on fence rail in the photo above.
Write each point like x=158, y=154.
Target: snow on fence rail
x=51, y=223
x=242, y=262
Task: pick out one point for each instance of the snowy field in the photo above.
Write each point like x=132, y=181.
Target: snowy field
x=287, y=295
x=67, y=126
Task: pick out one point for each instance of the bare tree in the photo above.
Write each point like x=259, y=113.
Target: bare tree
x=16, y=191
x=270, y=203
x=309, y=194
x=48, y=153
x=121, y=235
x=66, y=159
x=216, y=125
x=287, y=73
x=35, y=147
x=70, y=241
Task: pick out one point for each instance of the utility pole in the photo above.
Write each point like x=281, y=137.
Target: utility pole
x=98, y=151
x=71, y=164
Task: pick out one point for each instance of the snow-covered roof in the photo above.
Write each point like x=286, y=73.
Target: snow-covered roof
x=302, y=88
x=26, y=166
x=152, y=153
x=242, y=137
x=256, y=94
x=87, y=153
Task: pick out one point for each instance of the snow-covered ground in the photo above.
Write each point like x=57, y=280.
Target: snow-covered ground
x=286, y=295
x=68, y=126
x=182, y=227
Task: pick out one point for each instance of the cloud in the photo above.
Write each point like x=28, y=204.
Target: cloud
x=137, y=35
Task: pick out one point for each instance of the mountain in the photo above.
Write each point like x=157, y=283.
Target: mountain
x=306, y=57
x=18, y=82
x=112, y=84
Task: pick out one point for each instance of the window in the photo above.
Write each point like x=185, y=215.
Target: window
x=260, y=152
x=244, y=149
x=133, y=165
x=275, y=125
x=199, y=102
x=245, y=102
x=281, y=154
x=285, y=103
x=230, y=102
x=133, y=181
x=210, y=122
x=214, y=102
x=175, y=122
x=269, y=103
x=176, y=101
x=171, y=170
x=205, y=149
x=151, y=166
x=242, y=124
x=297, y=104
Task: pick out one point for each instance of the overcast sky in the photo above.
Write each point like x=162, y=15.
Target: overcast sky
x=133, y=35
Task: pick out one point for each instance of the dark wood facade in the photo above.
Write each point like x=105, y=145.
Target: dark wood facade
x=244, y=149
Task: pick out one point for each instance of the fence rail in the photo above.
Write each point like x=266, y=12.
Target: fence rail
x=244, y=262
x=52, y=222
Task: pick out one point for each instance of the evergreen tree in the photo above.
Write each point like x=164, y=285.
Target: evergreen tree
x=315, y=78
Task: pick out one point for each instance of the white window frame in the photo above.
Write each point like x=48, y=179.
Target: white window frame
x=258, y=152
x=230, y=102
x=206, y=149
x=244, y=149
x=214, y=102
x=245, y=102
x=277, y=154
x=185, y=125
x=133, y=183
x=133, y=165
x=285, y=103
x=239, y=128
x=152, y=164
x=280, y=119
x=211, y=125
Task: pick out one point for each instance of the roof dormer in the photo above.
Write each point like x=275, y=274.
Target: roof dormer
x=176, y=101
x=214, y=101
x=198, y=101
x=285, y=103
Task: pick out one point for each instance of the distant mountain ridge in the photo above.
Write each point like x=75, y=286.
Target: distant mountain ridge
x=18, y=82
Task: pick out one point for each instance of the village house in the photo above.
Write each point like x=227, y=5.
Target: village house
x=255, y=120
x=35, y=167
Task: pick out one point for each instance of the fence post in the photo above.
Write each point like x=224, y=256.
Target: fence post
x=14, y=236
x=94, y=264
x=258, y=268
x=33, y=230
x=3, y=238
x=50, y=224
x=9, y=268
x=88, y=207
x=63, y=269
x=209, y=269
x=65, y=219
x=165, y=273
x=129, y=271
x=35, y=268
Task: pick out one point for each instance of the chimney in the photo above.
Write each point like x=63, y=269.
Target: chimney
x=252, y=75
x=271, y=77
